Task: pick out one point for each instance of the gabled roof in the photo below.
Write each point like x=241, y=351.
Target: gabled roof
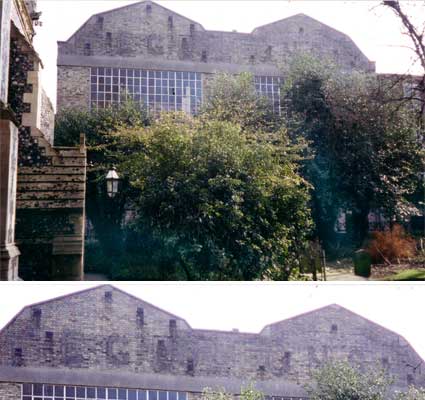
x=293, y=18
x=136, y=4
x=79, y=292
x=335, y=307
x=147, y=2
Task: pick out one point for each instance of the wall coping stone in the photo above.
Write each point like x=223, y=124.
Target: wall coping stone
x=162, y=64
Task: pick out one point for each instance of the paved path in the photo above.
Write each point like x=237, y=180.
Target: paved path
x=342, y=274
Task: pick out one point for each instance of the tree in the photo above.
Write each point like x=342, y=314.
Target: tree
x=104, y=213
x=339, y=380
x=96, y=124
x=374, y=142
x=308, y=118
x=365, y=152
x=222, y=206
x=233, y=98
x=247, y=393
x=416, y=35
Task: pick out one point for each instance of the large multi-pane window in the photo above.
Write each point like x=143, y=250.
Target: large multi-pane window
x=159, y=90
x=163, y=90
x=38, y=391
x=60, y=392
x=269, y=86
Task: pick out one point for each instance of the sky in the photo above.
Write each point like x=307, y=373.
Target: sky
x=374, y=28
x=250, y=306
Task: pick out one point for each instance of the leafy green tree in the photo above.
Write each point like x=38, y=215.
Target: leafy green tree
x=308, y=117
x=340, y=381
x=247, y=393
x=104, y=213
x=364, y=148
x=233, y=98
x=96, y=124
x=378, y=156
x=223, y=206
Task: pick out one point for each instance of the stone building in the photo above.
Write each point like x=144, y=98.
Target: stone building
x=163, y=59
x=42, y=187
x=103, y=340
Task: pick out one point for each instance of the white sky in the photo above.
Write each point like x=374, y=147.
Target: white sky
x=374, y=28
x=248, y=307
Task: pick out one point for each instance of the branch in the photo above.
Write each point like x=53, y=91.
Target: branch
x=416, y=37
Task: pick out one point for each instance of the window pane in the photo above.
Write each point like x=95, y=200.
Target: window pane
x=27, y=388
x=101, y=393
x=153, y=395
x=91, y=393
x=38, y=389
x=48, y=390
x=112, y=393
x=132, y=394
x=81, y=392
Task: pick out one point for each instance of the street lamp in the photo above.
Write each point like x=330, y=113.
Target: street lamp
x=112, y=180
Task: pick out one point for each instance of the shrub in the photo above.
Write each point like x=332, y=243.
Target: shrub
x=218, y=205
x=391, y=244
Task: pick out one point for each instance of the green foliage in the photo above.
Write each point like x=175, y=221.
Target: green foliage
x=106, y=214
x=308, y=117
x=408, y=275
x=363, y=149
x=209, y=394
x=96, y=123
x=247, y=393
x=339, y=380
x=233, y=98
x=222, y=206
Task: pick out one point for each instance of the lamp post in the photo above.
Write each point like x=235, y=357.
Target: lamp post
x=112, y=181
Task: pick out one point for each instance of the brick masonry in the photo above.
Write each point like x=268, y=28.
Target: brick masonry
x=146, y=34
x=106, y=330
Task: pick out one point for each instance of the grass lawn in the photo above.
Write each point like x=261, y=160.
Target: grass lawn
x=408, y=275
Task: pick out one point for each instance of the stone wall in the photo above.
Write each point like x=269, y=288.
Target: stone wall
x=149, y=29
x=148, y=36
x=73, y=87
x=47, y=123
x=50, y=218
x=105, y=329
x=10, y=391
x=51, y=180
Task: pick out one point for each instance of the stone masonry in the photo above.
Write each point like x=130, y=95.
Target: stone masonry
x=148, y=36
x=45, y=184
x=106, y=335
